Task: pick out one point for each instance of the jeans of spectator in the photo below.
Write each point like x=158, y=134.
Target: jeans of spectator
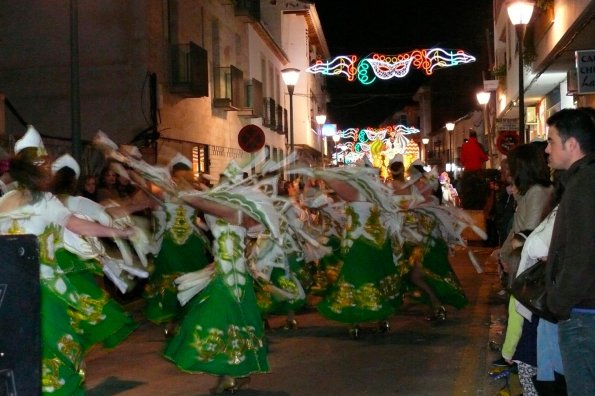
x=577, y=346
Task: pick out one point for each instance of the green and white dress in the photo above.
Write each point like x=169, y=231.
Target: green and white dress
x=367, y=282
x=280, y=265
x=222, y=331
x=107, y=322
x=62, y=353
x=183, y=250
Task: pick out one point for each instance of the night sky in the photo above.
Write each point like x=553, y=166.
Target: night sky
x=363, y=27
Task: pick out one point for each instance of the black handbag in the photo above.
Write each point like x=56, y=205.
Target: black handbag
x=529, y=289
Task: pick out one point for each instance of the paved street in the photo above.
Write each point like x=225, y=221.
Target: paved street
x=320, y=358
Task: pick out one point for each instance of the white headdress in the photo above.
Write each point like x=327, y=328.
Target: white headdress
x=66, y=161
x=179, y=159
x=31, y=138
x=396, y=158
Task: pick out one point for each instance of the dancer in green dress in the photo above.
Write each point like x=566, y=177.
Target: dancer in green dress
x=106, y=321
x=222, y=332
x=29, y=209
x=183, y=249
x=367, y=287
x=422, y=250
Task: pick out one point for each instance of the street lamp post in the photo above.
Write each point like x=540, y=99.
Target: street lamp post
x=483, y=98
x=425, y=142
x=520, y=12
x=290, y=78
x=450, y=126
x=320, y=120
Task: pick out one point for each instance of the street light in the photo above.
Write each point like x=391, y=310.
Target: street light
x=290, y=78
x=450, y=126
x=483, y=98
x=320, y=120
x=425, y=142
x=336, y=138
x=520, y=12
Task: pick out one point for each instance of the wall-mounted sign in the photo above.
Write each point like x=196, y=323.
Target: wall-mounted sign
x=251, y=138
x=507, y=140
x=585, y=67
x=329, y=129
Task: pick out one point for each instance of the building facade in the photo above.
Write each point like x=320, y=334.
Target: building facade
x=554, y=34
x=168, y=76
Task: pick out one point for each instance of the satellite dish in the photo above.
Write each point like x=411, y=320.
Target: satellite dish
x=251, y=138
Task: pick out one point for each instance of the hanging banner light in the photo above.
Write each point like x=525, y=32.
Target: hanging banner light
x=384, y=67
x=380, y=145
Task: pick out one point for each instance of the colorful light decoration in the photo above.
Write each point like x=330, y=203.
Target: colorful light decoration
x=375, y=143
x=385, y=67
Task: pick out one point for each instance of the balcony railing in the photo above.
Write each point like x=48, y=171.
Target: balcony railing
x=189, y=70
x=248, y=10
x=269, y=118
x=229, y=88
x=254, y=101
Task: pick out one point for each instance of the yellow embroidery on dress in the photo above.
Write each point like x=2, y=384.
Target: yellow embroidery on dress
x=389, y=287
x=181, y=230
x=71, y=349
x=91, y=311
x=50, y=375
x=367, y=297
x=15, y=228
x=351, y=224
x=165, y=285
x=373, y=227
x=234, y=343
x=344, y=297
x=237, y=348
x=208, y=347
x=48, y=241
x=228, y=244
x=289, y=285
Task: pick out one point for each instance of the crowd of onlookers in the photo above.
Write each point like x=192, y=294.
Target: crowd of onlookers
x=539, y=212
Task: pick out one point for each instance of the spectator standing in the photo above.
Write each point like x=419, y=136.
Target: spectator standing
x=473, y=154
x=534, y=196
x=570, y=273
x=505, y=203
x=89, y=188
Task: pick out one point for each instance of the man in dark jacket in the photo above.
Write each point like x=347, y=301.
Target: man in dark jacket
x=570, y=269
x=473, y=154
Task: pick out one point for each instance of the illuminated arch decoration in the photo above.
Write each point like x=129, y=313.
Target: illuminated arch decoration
x=380, y=145
x=384, y=67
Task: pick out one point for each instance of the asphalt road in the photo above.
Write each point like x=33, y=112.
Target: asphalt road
x=414, y=358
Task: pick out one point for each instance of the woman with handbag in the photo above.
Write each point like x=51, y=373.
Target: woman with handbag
x=550, y=372
x=533, y=193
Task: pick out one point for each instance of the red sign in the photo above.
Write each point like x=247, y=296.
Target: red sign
x=507, y=140
x=251, y=138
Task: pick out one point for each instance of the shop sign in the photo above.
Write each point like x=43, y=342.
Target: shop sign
x=585, y=67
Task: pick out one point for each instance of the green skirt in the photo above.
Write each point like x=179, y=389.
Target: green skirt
x=220, y=335
x=362, y=292
x=328, y=268
x=104, y=321
x=271, y=304
x=172, y=261
x=62, y=354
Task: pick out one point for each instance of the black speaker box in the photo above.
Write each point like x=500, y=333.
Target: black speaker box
x=20, y=343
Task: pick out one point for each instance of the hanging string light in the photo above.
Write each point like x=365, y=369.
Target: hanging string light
x=384, y=67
